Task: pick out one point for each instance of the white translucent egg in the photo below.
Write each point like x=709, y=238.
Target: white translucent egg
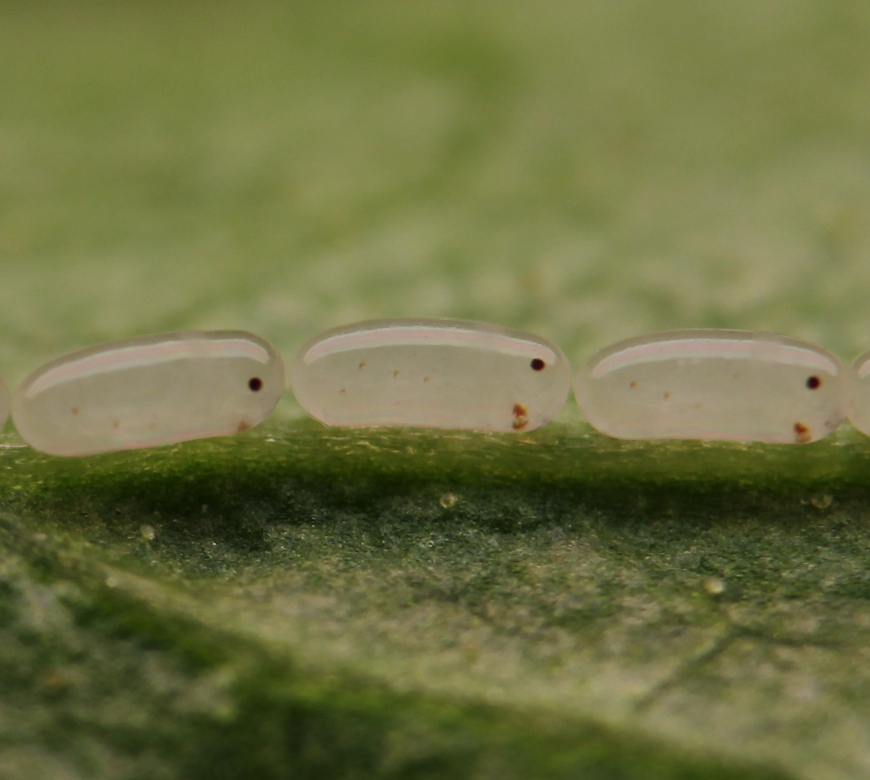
x=859, y=386
x=5, y=403
x=432, y=374
x=148, y=391
x=714, y=384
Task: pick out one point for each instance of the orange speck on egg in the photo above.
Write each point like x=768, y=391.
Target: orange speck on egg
x=521, y=418
x=802, y=434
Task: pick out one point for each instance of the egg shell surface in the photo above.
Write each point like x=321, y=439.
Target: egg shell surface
x=149, y=391
x=859, y=392
x=431, y=373
x=5, y=403
x=714, y=384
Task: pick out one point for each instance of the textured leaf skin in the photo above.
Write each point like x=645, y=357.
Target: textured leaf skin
x=245, y=529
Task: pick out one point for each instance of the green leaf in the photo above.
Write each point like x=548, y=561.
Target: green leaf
x=301, y=601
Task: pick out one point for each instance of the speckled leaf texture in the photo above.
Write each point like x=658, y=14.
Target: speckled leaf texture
x=310, y=602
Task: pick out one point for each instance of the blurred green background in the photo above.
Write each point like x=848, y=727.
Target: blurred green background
x=588, y=170
x=298, y=602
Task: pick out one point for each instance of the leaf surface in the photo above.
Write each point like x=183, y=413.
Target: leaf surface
x=300, y=601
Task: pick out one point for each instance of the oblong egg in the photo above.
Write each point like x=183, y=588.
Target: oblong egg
x=5, y=403
x=148, y=391
x=714, y=384
x=432, y=374
x=859, y=386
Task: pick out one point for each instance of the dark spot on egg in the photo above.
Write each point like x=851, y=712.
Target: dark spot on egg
x=116, y=424
x=814, y=383
x=521, y=418
x=666, y=396
x=633, y=384
x=361, y=365
x=75, y=410
x=425, y=378
x=256, y=384
x=395, y=373
x=243, y=426
x=802, y=434
x=538, y=364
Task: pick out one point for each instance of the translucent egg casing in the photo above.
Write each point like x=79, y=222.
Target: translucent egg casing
x=859, y=397
x=432, y=374
x=148, y=391
x=5, y=403
x=714, y=384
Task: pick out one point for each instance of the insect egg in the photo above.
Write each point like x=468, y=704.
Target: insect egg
x=431, y=373
x=859, y=395
x=5, y=403
x=148, y=391
x=714, y=384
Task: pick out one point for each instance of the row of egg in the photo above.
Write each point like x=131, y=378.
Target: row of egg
x=692, y=384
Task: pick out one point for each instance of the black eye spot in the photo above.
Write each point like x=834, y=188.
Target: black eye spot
x=538, y=364
x=256, y=384
x=814, y=382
